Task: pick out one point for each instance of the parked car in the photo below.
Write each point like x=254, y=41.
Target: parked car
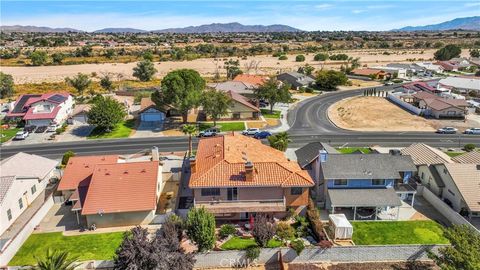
x=447, y=130
x=250, y=131
x=41, y=129
x=21, y=135
x=30, y=129
x=262, y=135
x=472, y=131
x=209, y=132
x=52, y=128
x=388, y=83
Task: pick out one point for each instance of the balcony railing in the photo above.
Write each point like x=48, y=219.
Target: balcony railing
x=240, y=206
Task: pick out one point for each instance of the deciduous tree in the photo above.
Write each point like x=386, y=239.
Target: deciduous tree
x=6, y=85
x=263, y=230
x=448, y=52
x=38, y=58
x=80, y=82
x=215, y=104
x=233, y=68
x=330, y=79
x=200, y=226
x=144, y=70
x=106, y=113
x=273, y=91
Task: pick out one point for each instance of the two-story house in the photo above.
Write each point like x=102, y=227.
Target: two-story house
x=23, y=177
x=42, y=110
x=235, y=177
x=296, y=80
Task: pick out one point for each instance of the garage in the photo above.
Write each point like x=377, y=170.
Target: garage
x=39, y=122
x=152, y=115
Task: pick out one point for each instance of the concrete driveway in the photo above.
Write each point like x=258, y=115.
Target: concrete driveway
x=148, y=129
x=75, y=132
x=32, y=138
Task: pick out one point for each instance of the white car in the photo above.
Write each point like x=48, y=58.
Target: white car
x=21, y=135
x=52, y=128
x=472, y=131
x=209, y=132
x=447, y=130
x=250, y=131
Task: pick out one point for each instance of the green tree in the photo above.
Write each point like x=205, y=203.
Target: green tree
x=330, y=79
x=80, y=82
x=215, y=104
x=57, y=58
x=300, y=58
x=110, y=53
x=448, y=52
x=469, y=147
x=181, y=89
x=201, y=228
x=148, y=55
x=38, y=58
x=144, y=70
x=307, y=69
x=462, y=253
x=320, y=57
x=273, y=91
x=233, y=68
x=6, y=85
x=189, y=130
x=106, y=83
x=279, y=141
x=56, y=260
x=283, y=57
x=263, y=230
x=106, y=113
x=67, y=156
x=474, y=53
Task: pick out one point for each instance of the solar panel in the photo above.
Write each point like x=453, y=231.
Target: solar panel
x=19, y=106
x=57, y=98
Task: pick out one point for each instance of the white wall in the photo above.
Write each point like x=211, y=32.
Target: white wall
x=428, y=180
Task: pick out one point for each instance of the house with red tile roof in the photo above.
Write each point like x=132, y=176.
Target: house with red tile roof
x=107, y=191
x=42, y=110
x=369, y=72
x=440, y=107
x=254, y=80
x=235, y=176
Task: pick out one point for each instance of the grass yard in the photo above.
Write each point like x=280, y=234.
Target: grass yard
x=238, y=243
x=349, y=150
x=454, y=154
x=266, y=113
x=7, y=134
x=99, y=246
x=224, y=126
x=122, y=130
x=398, y=233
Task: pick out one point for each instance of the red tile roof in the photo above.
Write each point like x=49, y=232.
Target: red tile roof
x=122, y=187
x=79, y=170
x=241, y=99
x=220, y=163
x=251, y=79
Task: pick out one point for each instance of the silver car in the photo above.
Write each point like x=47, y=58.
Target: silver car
x=21, y=135
x=473, y=131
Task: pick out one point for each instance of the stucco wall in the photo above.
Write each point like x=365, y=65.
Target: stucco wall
x=296, y=200
x=120, y=219
x=427, y=180
x=451, y=191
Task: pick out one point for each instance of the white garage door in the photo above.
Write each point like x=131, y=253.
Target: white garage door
x=39, y=122
x=152, y=117
x=81, y=118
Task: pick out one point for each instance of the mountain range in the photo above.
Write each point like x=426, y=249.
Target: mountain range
x=467, y=23
x=38, y=29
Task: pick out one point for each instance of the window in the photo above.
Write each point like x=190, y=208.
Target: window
x=296, y=191
x=423, y=175
x=20, y=203
x=378, y=182
x=210, y=192
x=340, y=182
x=9, y=214
x=34, y=189
x=451, y=192
x=236, y=115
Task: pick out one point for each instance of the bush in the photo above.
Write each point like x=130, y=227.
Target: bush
x=300, y=58
x=314, y=218
x=226, y=230
x=252, y=253
x=301, y=226
x=320, y=57
x=200, y=226
x=298, y=246
x=282, y=57
x=469, y=147
x=285, y=231
x=67, y=156
x=263, y=230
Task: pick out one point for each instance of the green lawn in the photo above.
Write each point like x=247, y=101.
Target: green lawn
x=224, y=126
x=454, y=154
x=398, y=232
x=99, y=246
x=122, y=130
x=266, y=113
x=238, y=243
x=7, y=134
x=349, y=150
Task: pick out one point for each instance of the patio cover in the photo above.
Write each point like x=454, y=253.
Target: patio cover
x=342, y=227
x=380, y=197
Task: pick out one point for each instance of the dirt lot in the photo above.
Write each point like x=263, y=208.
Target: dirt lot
x=207, y=66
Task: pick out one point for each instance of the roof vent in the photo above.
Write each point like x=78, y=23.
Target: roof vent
x=143, y=170
x=107, y=173
x=125, y=172
x=478, y=167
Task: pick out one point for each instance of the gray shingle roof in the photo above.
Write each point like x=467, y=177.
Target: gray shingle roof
x=366, y=166
x=363, y=197
x=5, y=184
x=309, y=152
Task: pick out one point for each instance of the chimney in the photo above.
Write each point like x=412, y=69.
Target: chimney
x=193, y=165
x=323, y=155
x=155, y=155
x=249, y=171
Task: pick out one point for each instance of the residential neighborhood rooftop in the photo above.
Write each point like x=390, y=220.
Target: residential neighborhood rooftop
x=310, y=151
x=467, y=179
x=423, y=154
x=254, y=80
x=472, y=157
x=364, y=197
x=23, y=165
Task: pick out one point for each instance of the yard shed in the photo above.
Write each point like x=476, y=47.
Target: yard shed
x=342, y=228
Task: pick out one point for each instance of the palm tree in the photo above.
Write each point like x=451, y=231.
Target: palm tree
x=56, y=260
x=189, y=130
x=279, y=141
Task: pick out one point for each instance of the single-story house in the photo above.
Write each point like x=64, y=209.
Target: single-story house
x=80, y=114
x=23, y=177
x=149, y=111
x=296, y=80
x=472, y=157
x=255, y=80
x=440, y=107
x=42, y=110
x=240, y=108
x=462, y=84
x=432, y=67
x=369, y=72
x=239, y=87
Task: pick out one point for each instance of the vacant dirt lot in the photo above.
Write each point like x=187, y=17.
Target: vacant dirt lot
x=375, y=114
x=207, y=66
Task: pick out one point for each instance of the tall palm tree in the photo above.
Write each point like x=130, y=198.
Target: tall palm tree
x=279, y=141
x=189, y=130
x=56, y=260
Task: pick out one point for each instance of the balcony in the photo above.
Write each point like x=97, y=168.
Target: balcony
x=240, y=206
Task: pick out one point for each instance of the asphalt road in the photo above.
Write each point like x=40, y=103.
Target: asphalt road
x=308, y=121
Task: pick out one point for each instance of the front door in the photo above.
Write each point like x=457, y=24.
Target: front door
x=232, y=194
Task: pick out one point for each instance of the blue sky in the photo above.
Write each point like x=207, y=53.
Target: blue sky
x=306, y=15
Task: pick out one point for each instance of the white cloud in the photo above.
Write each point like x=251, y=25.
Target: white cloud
x=323, y=6
x=472, y=4
x=358, y=11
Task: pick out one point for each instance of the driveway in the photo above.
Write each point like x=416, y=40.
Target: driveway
x=75, y=132
x=33, y=138
x=148, y=129
x=60, y=218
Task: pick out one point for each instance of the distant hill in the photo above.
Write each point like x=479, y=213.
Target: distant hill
x=40, y=29
x=120, y=30
x=230, y=28
x=468, y=23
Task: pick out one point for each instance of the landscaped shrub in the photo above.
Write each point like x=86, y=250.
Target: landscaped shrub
x=285, y=231
x=226, y=230
x=314, y=218
x=300, y=58
x=282, y=57
x=263, y=230
x=297, y=245
x=469, y=147
x=301, y=225
x=252, y=253
x=66, y=157
x=200, y=226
